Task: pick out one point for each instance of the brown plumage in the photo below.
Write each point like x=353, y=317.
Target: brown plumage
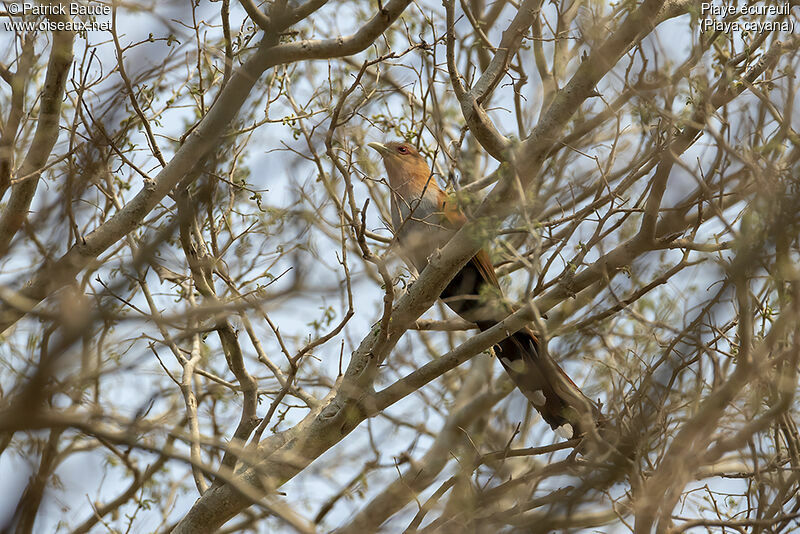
x=424, y=219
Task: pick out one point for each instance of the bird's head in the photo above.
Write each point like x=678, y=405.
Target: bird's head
x=404, y=164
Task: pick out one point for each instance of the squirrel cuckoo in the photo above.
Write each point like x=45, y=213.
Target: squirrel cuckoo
x=423, y=220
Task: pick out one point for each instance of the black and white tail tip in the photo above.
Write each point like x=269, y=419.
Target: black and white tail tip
x=565, y=431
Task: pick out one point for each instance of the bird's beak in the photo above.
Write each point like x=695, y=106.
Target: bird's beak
x=380, y=148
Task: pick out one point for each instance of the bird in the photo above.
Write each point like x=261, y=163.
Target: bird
x=424, y=218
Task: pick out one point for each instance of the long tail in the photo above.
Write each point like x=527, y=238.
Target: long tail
x=561, y=403
x=551, y=391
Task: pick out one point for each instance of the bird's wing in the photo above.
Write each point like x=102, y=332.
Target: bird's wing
x=455, y=219
x=484, y=265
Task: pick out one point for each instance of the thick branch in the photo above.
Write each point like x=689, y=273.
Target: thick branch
x=16, y=212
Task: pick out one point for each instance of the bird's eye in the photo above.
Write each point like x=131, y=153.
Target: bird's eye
x=402, y=149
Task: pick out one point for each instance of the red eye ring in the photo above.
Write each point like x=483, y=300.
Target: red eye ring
x=402, y=149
